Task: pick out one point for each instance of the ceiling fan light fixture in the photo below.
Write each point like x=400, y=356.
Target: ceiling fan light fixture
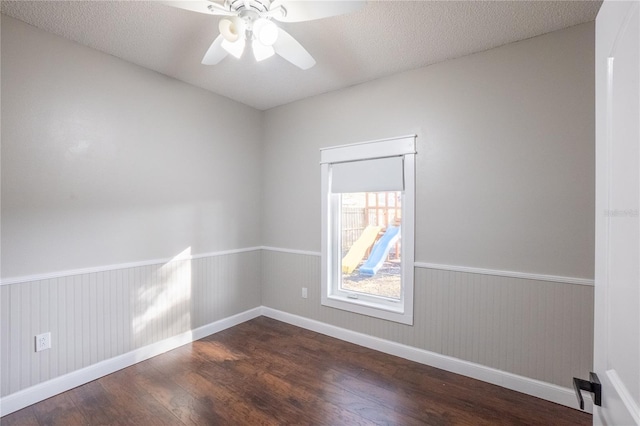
x=251, y=21
x=232, y=28
x=260, y=51
x=236, y=48
x=265, y=31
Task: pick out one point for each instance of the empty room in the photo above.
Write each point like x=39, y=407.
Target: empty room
x=320, y=212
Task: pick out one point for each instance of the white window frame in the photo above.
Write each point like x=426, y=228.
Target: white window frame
x=379, y=307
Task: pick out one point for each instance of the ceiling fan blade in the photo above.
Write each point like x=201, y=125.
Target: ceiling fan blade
x=215, y=53
x=298, y=11
x=201, y=6
x=289, y=48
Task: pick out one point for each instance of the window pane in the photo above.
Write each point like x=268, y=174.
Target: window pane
x=370, y=241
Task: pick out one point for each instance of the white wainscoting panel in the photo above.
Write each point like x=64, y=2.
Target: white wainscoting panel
x=100, y=315
x=537, y=329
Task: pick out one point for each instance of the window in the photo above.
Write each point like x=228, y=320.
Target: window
x=368, y=193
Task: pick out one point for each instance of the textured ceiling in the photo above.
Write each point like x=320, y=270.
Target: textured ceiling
x=383, y=38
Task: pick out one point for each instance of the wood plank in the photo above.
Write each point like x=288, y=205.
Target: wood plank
x=136, y=404
x=185, y=406
x=24, y=417
x=58, y=410
x=96, y=404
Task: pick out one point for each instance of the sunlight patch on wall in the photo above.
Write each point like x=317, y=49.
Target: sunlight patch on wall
x=166, y=299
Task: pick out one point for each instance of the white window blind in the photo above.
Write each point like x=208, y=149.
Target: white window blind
x=380, y=174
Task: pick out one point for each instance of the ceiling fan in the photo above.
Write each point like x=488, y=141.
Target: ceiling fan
x=251, y=22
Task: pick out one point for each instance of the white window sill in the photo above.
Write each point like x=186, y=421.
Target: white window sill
x=370, y=308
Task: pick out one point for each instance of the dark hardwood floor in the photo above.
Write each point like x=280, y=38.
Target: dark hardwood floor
x=265, y=372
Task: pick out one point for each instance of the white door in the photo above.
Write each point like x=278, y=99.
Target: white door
x=617, y=271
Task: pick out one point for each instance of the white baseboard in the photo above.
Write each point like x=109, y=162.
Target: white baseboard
x=42, y=391
x=539, y=389
x=547, y=391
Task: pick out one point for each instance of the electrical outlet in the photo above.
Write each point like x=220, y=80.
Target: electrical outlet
x=304, y=292
x=43, y=341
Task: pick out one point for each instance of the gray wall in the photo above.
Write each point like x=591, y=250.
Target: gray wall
x=104, y=162
x=505, y=163
x=504, y=181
